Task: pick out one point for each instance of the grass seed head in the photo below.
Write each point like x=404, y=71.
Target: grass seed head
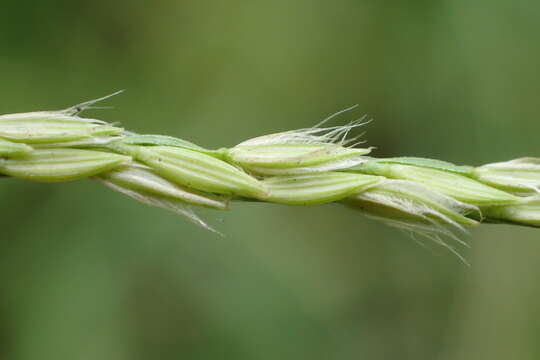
x=429, y=198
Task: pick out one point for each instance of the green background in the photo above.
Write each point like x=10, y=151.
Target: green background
x=87, y=273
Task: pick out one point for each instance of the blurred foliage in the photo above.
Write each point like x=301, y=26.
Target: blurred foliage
x=89, y=274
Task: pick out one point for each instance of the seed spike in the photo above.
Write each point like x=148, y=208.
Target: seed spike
x=427, y=198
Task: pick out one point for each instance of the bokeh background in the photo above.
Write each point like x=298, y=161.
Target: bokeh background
x=87, y=273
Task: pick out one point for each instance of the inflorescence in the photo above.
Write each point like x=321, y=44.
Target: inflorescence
x=310, y=166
